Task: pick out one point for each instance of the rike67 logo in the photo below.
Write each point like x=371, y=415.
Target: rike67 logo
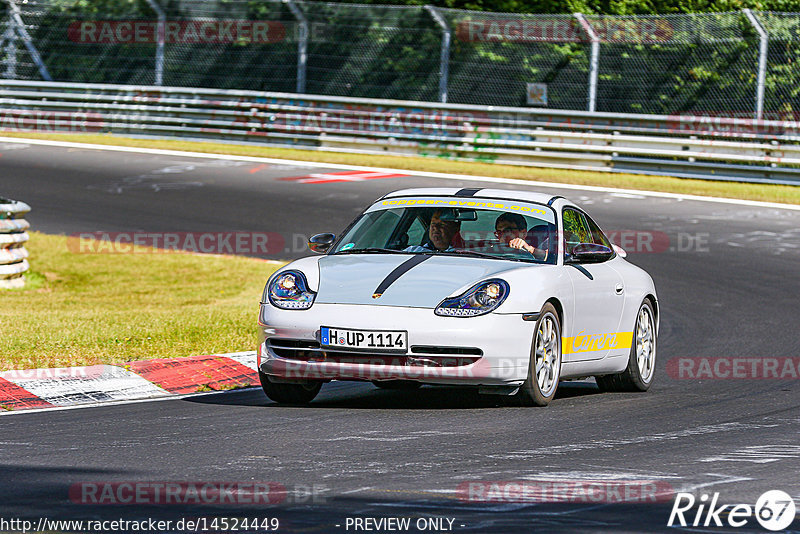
x=774, y=510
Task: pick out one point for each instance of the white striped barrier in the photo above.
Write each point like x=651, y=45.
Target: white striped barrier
x=13, y=236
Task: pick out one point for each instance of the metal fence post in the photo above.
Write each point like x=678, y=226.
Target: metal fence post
x=594, y=61
x=302, y=45
x=162, y=28
x=444, y=56
x=19, y=27
x=10, y=39
x=763, y=45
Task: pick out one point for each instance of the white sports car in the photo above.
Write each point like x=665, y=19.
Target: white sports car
x=509, y=291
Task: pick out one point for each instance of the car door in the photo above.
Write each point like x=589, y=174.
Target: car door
x=598, y=294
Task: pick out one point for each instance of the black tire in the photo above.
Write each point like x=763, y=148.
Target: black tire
x=297, y=394
x=405, y=385
x=530, y=393
x=631, y=379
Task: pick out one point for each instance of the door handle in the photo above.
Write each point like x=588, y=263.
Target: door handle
x=618, y=289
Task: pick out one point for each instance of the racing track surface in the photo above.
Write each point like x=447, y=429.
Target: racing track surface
x=734, y=293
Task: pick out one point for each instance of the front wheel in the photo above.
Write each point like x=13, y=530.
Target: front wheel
x=545, y=364
x=289, y=393
x=642, y=359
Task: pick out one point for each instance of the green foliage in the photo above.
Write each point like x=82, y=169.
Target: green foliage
x=605, y=7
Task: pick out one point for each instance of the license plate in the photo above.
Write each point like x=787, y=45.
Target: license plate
x=367, y=340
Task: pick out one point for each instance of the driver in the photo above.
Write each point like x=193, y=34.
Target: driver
x=440, y=232
x=511, y=229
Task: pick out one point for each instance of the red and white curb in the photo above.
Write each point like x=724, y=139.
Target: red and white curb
x=146, y=379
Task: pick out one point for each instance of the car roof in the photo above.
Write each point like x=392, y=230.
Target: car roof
x=476, y=192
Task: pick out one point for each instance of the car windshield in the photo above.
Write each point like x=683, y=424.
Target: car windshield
x=505, y=230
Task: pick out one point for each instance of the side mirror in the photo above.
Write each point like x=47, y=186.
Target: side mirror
x=321, y=243
x=590, y=253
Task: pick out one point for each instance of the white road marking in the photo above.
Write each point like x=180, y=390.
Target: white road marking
x=14, y=146
x=100, y=385
x=614, y=443
x=155, y=180
x=366, y=438
x=723, y=479
x=758, y=454
x=438, y=175
x=598, y=475
x=101, y=404
x=86, y=385
x=246, y=358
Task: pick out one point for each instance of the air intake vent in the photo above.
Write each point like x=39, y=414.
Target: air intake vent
x=446, y=351
x=310, y=351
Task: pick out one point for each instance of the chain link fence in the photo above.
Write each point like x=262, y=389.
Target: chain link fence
x=734, y=64
x=782, y=85
x=703, y=63
x=494, y=56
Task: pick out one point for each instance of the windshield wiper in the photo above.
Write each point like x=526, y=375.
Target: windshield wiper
x=490, y=256
x=371, y=250
x=471, y=253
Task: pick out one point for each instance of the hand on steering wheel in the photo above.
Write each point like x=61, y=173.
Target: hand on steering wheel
x=520, y=244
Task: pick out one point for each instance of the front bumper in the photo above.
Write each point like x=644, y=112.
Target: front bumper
x=503, y=340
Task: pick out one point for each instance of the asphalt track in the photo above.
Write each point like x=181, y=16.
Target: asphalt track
x=728, y=287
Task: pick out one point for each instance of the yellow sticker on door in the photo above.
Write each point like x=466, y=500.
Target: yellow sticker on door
x=584, y=342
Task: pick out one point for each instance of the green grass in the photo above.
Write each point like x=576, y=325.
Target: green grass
x=768, y=193
x=85, y=309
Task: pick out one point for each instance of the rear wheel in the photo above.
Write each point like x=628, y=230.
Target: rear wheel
x=397, y=384
x=289, y=393
x=545, y=363
x=642, y=359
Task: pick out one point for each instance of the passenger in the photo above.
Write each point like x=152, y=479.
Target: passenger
x=511, y=229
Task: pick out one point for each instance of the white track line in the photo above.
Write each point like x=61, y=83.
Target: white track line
x=437, y=175
x=57, y=385
x=101, y=404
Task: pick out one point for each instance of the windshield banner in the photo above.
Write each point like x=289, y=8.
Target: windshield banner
x=533, y=210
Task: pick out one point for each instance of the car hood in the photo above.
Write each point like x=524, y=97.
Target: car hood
x=353, y=279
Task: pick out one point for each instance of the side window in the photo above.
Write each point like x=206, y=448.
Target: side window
x=575, y=230
x=371, y=230
x=598, y=237
x=416, y=232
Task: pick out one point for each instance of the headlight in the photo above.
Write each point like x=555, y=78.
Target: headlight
x=289, y=291
x=478, y=300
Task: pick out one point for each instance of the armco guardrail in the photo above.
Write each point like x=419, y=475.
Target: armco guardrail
x=13, y=263
x=685, y=146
